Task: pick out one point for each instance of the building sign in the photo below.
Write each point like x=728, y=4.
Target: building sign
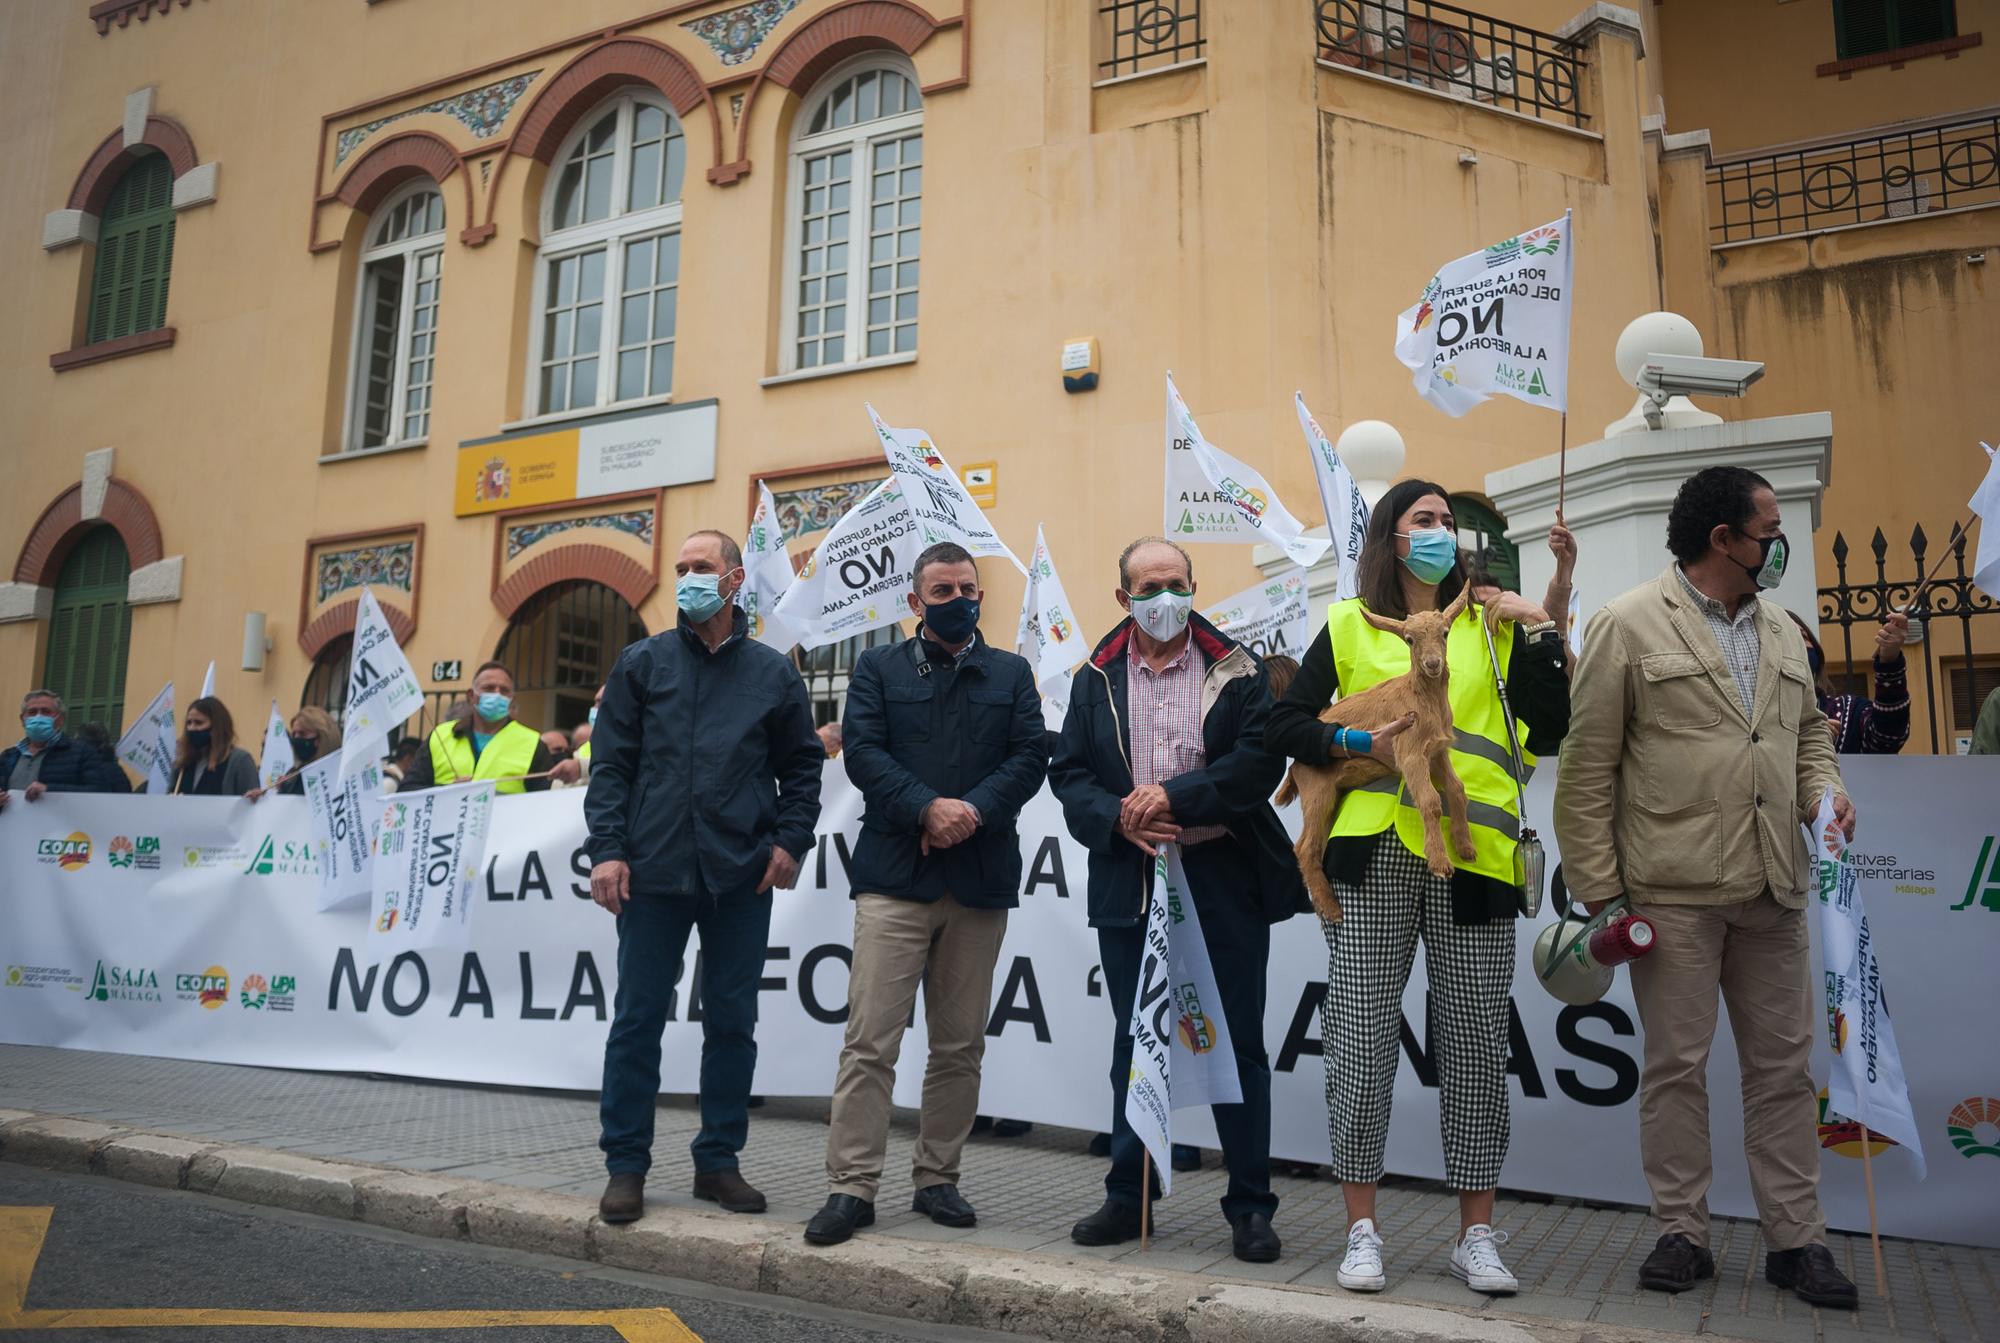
x=638, y=450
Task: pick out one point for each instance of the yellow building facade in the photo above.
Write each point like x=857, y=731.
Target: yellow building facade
x=486, y=306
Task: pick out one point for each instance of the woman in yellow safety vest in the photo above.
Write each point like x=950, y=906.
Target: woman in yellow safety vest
x=482, y=740
x=1410, y=562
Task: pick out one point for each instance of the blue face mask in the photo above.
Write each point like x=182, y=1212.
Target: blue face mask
x=952, y=621
x=494, y=707
x=593, y=715
x=41, y=728
x=698, y=595
x=1433, y=553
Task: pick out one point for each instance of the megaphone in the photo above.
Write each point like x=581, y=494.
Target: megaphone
x=1575, y=957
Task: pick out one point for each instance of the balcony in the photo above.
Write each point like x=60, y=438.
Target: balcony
x=1137, y=37
x=1954, y=165
x=1456, y=52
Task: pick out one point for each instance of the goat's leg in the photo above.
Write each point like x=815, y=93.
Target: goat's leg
x=1424, y=796
x=1454, y=800
x=1318, y=796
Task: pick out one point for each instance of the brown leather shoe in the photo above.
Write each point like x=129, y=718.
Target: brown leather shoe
x=624, y=1198
x=728, y=1188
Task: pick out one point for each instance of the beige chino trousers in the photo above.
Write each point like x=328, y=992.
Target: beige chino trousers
x=897, y=943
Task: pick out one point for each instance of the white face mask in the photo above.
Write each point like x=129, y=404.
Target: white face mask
x=1163, y=614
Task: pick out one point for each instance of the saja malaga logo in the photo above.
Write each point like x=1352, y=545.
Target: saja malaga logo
x=283, y=858
x=1984, y=888
x=123, y=984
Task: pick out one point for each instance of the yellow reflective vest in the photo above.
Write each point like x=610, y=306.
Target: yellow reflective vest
x=511, y=753
x=1364, y=656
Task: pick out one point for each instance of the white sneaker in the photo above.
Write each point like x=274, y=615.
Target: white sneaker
x=1475, y=1261
x=1361, y=1266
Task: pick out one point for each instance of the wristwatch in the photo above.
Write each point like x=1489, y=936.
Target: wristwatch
x=1542, y=632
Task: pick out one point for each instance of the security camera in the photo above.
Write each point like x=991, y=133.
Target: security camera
x=1668, y=375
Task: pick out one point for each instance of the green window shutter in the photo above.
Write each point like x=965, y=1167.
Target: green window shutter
x=1863, y=27
x=135, y=252
x=90, y=631
x=1920, y=21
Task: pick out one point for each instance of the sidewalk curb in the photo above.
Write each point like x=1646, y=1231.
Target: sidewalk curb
x=937, y=1282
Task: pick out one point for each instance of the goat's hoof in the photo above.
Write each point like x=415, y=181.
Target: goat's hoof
x=1466, y=849
x=1441, y=867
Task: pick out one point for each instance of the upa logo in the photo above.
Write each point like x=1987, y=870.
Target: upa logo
x=1844, y=1137
x=71, y=853
x=210, y=988
x=1974, y=1126
x=1544, y=241
x=1985, y=884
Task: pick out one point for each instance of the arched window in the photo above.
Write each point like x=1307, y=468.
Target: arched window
x=395, y=321
x=561, y=645
x=855, y=219
x=135, y=252
x=608, y=284
x=89, y=629
x=326, y=685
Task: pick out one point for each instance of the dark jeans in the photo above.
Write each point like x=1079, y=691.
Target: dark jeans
x=652, y=940
x=1239, y=947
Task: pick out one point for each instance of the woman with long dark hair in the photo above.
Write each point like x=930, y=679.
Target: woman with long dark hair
x=209, y=763
x=1410, y=562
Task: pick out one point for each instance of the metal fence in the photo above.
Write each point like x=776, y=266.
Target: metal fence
x=1137, y=36
x=1890, y=176
x=1956, y=676
x=1455, y=51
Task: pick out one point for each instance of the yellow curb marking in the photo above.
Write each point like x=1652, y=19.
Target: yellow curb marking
x=22, y=1231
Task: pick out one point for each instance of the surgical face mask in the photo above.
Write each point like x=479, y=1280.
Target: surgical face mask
x=699, y=595
x=593, y=715
x=954, y=621
x=304, y=748
x=1433, y=553
x=1770, y=571
x=493, y=707
x=40, y=727
x=1163, y=614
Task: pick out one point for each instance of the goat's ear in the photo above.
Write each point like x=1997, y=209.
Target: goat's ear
x=1383, y=623
x=1457, y=607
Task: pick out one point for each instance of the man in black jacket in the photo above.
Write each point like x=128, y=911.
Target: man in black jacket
x=944, y=737
x=1164, y=741
x=704, y=789
x=45, y=760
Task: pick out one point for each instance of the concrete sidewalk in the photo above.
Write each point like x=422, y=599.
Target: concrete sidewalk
x=1577, y=1263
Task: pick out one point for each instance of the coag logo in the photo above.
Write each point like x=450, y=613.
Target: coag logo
x=1197, y=1032
x=1844, y=1137
x=71, y=853
x=210, y=988
x=1985, y=884
x=387, y=921
x=1974, y=1125
x=929, y=455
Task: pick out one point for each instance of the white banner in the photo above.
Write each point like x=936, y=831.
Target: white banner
x=149, y=745
x=1049, y=635
x=1495, y=323
x=429, y=851
x=1149, y=1086
x=1269, y=617
x=106, y=901
x=938, y=499
x=277, y=760
x=1346, y=510
x=859, y=574
x=767, y=575
x=1985, y=502
x=1204, y=1067
x=346, y=818
x=382, y=691
x=1213, y=497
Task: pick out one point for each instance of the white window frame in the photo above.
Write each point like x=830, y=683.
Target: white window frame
x=410, y=250
x=860, y=140
x=612, y=235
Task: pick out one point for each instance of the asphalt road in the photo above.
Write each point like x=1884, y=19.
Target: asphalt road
x=113, y=1246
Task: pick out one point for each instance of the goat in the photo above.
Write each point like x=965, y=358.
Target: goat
x=1423, y=753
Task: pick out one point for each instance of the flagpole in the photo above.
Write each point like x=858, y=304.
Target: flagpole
x=1146, y=1200
x=1874, y=1232
x=1562, y=465
x=1959, y=530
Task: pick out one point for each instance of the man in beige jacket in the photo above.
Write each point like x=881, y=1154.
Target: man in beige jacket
x=1695, y=749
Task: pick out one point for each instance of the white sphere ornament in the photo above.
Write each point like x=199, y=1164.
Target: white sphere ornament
x=1374, y=453
x=1654, y=333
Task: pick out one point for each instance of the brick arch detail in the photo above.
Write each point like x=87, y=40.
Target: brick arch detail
x=112, y=157
x=338, y=620
x=398, y=160
x=62, y=525
x=598, y=564
x=593, y=77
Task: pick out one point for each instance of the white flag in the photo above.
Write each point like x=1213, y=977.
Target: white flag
x=859, y=574
x=277, y=760
x=1867, y=1084
x=938, y=499
x=1049, y=636
x=1213, y=497
x=1574, y=622
x=1986, y=503
x=382, y=691
x=430, y=851
x=1346, y=510
x=208, y=682
x=1495, y=322
x=767, y=575
x=1267, y=618
x=150, y=744
x=346, y=817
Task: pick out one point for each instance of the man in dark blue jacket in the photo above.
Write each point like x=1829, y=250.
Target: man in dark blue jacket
x=46, y=760
x=944, y=737
x=1164, y=741
x=704, y=789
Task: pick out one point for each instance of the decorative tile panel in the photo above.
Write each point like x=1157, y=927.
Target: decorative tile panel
x=815, y=508
x=637, y=523
x=734, y=34
x=482, y=111
x=388, y=565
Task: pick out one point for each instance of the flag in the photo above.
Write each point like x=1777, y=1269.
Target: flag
x=1574, y=622
x=208, y=682
x=1867, y=1084
x=430, y=851
x=943, y=510
x=1346, y=510
x=1181, y=1054
x=1213, y=497
x=277, y=760
x=1986, y=503
x=345, y=819
x=382, y=691
x=1049, y=636
x=859, y=573
x=1268, y=617
x=767, y=575
x=1495, y=322
x=150, y=744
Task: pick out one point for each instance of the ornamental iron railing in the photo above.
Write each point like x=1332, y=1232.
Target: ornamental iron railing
x=1955, y=675
x=1135, y=37
x=1891, y=176
x=1455, y=51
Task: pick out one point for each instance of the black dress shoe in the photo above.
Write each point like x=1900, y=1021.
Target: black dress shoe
x=1186, y=1156
x=728, y=1188
x=1675, y=1265
x=1811, y=1272
x=1100, y=1144
x=624, y=1198
x=1113, y=1224
x=1011, y=1128
x=842, y=1216
x=943, y=1204
x=1253, y=1239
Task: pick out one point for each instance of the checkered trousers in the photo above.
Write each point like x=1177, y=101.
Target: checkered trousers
x=1471, y=969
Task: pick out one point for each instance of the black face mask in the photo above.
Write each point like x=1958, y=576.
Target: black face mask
x=304, y=748
x=953, y=621
x=199, y=739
